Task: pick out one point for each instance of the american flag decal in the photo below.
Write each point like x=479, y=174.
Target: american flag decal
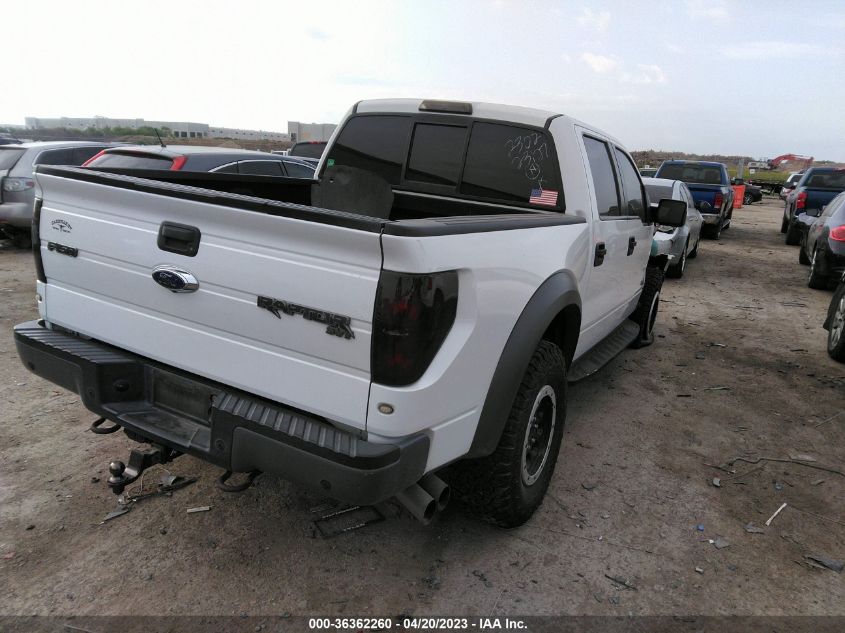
x=543, y=196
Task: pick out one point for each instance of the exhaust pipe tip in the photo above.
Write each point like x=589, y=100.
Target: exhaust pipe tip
x=438, y=489
x=418, y=502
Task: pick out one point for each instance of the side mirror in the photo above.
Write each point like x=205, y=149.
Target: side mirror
x=670, y=212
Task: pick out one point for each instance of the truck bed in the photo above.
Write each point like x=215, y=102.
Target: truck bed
x=411, y=214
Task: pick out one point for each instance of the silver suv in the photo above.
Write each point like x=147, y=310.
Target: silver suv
x=17, y=188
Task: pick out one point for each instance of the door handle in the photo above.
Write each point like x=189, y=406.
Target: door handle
x=601, y=251
x=632, y=244
x=179, y=238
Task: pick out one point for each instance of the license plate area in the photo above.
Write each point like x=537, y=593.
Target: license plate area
x=182, y=396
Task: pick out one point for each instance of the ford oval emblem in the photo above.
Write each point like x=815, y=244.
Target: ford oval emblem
x=175, y=279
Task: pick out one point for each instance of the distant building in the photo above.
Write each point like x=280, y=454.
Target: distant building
x=310, y=131
x=178, y=129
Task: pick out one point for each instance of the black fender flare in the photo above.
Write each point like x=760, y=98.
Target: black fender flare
x=556, y=293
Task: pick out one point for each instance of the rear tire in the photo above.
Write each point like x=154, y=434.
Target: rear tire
x=836, y=334
x=784, y=225
x=646, y=313
x=816, y=280
x=676, y=271
x=713, y=231
x=793, y=234
x=507, y=487
x=802, y=253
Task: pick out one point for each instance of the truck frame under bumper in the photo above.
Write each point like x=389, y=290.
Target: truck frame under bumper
x=231, y=429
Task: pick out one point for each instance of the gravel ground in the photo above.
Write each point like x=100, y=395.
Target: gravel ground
x=739, y=369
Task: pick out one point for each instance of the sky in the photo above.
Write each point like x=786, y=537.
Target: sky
x=754, y=77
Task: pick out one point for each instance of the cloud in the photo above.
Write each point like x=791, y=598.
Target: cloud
x=646, y=74
x=776, y=49
x=599, y=63
x=598, y=20
x=318, y=34
x=708, y=9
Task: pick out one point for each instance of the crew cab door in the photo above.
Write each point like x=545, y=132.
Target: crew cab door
x=282, y=307
x=621, y=242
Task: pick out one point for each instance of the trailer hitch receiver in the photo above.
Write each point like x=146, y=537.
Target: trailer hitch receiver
x=121, y=475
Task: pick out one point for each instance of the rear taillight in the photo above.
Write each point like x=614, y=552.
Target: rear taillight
x=801, y=200
x=838, y=233
x=717, y=201
x=36, y=240
x=178, y=162
x=18, y=184
x=413, y=315
x=93, y=158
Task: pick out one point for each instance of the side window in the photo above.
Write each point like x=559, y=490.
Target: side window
x=687, y=195
x=604, y=180
x=55, y=157
x=260, y=168
x=511, y=163
x=632, y=188
x=436, y=154
x=81, y=154
x=298, y=170
x=227, y=169
x=374, y=143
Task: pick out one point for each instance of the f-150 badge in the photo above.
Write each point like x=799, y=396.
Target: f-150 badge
x=336, y=324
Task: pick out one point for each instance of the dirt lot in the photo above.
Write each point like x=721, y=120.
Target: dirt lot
x=739, y=369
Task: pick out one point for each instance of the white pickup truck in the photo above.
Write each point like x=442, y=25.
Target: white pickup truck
x=421, y=304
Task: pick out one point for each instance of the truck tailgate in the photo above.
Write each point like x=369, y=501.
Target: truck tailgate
x=704, y=193
x=270, y=312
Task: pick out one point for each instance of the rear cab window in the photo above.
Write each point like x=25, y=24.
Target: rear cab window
x=697, y=174
x=130, y=160
x=833, y=179
x=458, y=157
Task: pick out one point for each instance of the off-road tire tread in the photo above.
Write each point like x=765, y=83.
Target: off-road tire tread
x=489, y=486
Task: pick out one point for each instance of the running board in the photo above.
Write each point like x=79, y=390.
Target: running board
x=605, y=351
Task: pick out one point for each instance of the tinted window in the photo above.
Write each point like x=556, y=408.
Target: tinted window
x=373, y=143
x=8, y=157
x=308, y=150
x=227, y=169
x=298, y=170
x=131, y=161
x=656, y=193
x=55, y=157
x=826, y=180
x=632, y=190
x=701, y=174
x=81, y=154
x=604, y=181
x=510, y=163
x=260, y=168
x=436, y=154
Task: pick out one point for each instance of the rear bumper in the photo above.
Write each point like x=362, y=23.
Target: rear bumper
x=231, y=429
x=17, y=214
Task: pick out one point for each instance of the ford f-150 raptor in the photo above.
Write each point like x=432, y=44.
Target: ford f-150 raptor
x=421, y=303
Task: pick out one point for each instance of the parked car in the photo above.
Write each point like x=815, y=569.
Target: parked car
x=752, y=194
x=648, y=172
x=677, y=243
x=817, y=187
x=835, y=323
x=308, y=149
x=426, y=306
x=823, y=242
x=200, y=158
x=789, y=184
x=17, y=188
x=708, y=182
